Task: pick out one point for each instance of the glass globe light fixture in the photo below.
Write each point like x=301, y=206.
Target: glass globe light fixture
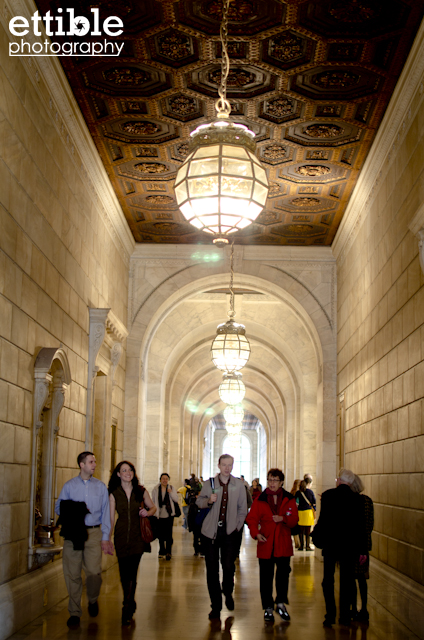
x=232, y=389
x=234, y=429
x=230, y=349
x=234, y=413
x=221, y=187
x=233, y=442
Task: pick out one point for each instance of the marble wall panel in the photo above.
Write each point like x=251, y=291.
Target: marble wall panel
x=388, y=377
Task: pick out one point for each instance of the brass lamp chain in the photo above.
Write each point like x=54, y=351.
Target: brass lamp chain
x=222, y=105
x=231, y=313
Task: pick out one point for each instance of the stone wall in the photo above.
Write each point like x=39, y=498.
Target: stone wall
x=59, y=255
x=381, y=329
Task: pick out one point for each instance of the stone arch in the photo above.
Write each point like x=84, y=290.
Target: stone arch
x=159, y=352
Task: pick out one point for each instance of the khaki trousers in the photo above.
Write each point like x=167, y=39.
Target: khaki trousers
x=89, y=559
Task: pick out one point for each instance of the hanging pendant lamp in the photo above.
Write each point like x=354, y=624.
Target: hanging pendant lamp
x=234, y=414
x=232, y=389
x=230, y=349
x=221, y=186
x=234, y=429
x=234, y=442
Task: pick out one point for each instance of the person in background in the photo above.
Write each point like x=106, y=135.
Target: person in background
x=195, y=482
x=225, y=496
x=306, y=505
x=87, y=552
x=182, y=491
x=293, y=491
x=164, y=497
x=295, y=488
x=132, y=502
x=246, y=484
x=270, y=521
x=362, y=573
x=192, y=519
x=255, y=489
x=341, y=534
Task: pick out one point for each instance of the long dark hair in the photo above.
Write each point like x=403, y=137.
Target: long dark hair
x=115, y=480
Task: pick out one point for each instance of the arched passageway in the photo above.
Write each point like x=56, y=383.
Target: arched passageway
x=172, y=385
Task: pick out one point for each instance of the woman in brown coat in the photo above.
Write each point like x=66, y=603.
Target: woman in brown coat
x=131, y=501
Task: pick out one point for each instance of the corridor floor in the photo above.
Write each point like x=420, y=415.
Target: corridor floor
x=173, y=604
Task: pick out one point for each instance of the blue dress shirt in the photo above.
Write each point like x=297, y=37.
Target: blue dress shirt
x=95, y=495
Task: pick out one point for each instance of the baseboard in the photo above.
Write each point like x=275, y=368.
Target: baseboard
x=401, y=596
x=29, y=596
x=26, y=598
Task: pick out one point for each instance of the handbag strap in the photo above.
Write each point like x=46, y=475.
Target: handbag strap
x=306, y=499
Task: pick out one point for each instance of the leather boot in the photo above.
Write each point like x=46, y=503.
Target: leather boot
x=131, y=598
x=127, y=612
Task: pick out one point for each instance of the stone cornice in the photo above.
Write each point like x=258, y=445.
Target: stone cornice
x=390, y=134
x=52, y=87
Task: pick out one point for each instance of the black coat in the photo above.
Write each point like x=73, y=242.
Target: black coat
x=71, y=519
x=341, y=527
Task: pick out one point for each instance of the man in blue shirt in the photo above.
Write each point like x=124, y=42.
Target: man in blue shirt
x=87, y=555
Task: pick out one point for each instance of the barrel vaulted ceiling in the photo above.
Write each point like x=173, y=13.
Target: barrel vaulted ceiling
x=311, y=78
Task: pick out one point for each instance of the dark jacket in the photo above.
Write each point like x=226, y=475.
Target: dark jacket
x=127, y=534
x=71, y=519
x=302, y=504
x=341, y=528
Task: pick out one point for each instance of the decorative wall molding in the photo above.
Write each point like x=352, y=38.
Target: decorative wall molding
x=105, y=328
x=421, y=247
x=52, y=377
x=389, y=137
x=417, y=227
x=52, y=87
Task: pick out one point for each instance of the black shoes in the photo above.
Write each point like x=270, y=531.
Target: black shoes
x=362, y=616
x=93, y=609
x=168, y=556
x=229, y=602
x=73, y=622
x=126, y=617
x=214, y=615
x=282, y=611
x=268, y=615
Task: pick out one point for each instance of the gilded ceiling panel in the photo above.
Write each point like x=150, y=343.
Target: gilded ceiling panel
x=311, y=79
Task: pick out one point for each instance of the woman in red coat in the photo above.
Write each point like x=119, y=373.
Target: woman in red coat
x=270, y=521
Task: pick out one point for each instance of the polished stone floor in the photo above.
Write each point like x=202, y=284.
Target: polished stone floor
x=173, y=604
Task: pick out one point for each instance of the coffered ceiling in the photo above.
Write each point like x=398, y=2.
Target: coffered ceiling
x=312, y=79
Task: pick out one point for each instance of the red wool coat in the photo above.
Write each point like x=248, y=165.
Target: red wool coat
x=277, y=534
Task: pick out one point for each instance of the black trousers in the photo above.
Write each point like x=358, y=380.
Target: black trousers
x=347, y=585
x=266, y=580
x=197, y=538
x=225, y=546
x=128, y=568
x=165, y=535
